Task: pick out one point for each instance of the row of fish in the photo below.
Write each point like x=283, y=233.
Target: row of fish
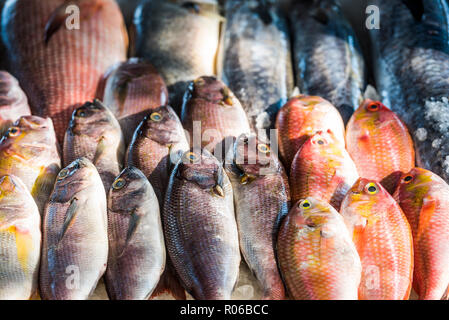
x=197, y=194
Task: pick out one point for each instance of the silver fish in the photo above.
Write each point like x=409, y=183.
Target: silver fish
x=327, y=55
x=256, y=59
x=136, y=241
x=75, y=240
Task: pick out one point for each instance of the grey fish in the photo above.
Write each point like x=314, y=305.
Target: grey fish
x=95, y=133
x=327, y=55
x=75, y=240
x=412, y=74
x=180, y=38
x=200, y=228
x=20, y=240
x=262, y=199
x=136, y=241
x=257, y=64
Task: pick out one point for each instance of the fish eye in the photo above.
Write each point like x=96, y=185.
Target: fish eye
x=321, y=142
x=263, y=148
x=305, y=204
x=13, y=132
x=372, y=188
x=191, y=6
x=119, y=184
x=408, y=179
x=63, y=173
x=373, y=106
x=81, y=113
x=192, y=157
x=156, y=116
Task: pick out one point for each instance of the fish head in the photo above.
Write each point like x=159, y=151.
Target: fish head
x=72, y=179
x=93, y=119
x=365, y=203
x=211, y=89
x=323, y=144
x=203, y=170
x=128, y=191
x=29, y=137
x=314, y=216
x=371, y=115
x=414, y=186
x=162, y=125
x=251, y=158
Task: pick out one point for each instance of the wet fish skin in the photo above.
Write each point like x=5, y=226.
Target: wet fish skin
x=158, y=143
x=13, y=101
x=380, y=144
x=199, y=221
x=424, y=198
x=411, y=65
x=29, y=151
x=56, y=79
x=94, y=133
x=136, y=241
x=328, y=59
x=300, y=118
x=180, y=38
x=257, y=64
x=75, y=236
x=322, y=168
x=20, y=240
x=317, y=258
x=261, y=201
x=210, y=104
x=132, y=88
x=383, y=238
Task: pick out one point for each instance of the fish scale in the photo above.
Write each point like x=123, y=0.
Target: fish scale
x=61, y=75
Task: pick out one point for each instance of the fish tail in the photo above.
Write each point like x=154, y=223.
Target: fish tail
x=169, y=284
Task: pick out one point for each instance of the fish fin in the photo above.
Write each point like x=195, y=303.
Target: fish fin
x=134, y=222
x=446, y=294
x=44, y=184
x=416, y=8
x=70, y=217
x=169, y=283
x=425, y=215
x=55, y=22
x=101, y=147
x=296, y=92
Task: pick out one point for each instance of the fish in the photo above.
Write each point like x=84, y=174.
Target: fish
x=13, y=101
x=261, y=201
x=29, y=150
x=136, y=257
x=213, y=115
x=198, y=219
x=327, y=56
x=180, y=38
x=256, y=60
x=157, y=145
x=322, y=169
x=20, y=240
x=132, y=88
x=94, y=133
x=128, y=8
x=380, y=144
x=411, y=64
x=317, y=257
x=383, y=239
x=300, y=118
x=75, y=234
x=424, y=198
x=58, y=51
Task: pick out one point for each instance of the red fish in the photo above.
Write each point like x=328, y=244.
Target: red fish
x=59, y=63
x=380, y=144
x=424, y=197
x=383, y=239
